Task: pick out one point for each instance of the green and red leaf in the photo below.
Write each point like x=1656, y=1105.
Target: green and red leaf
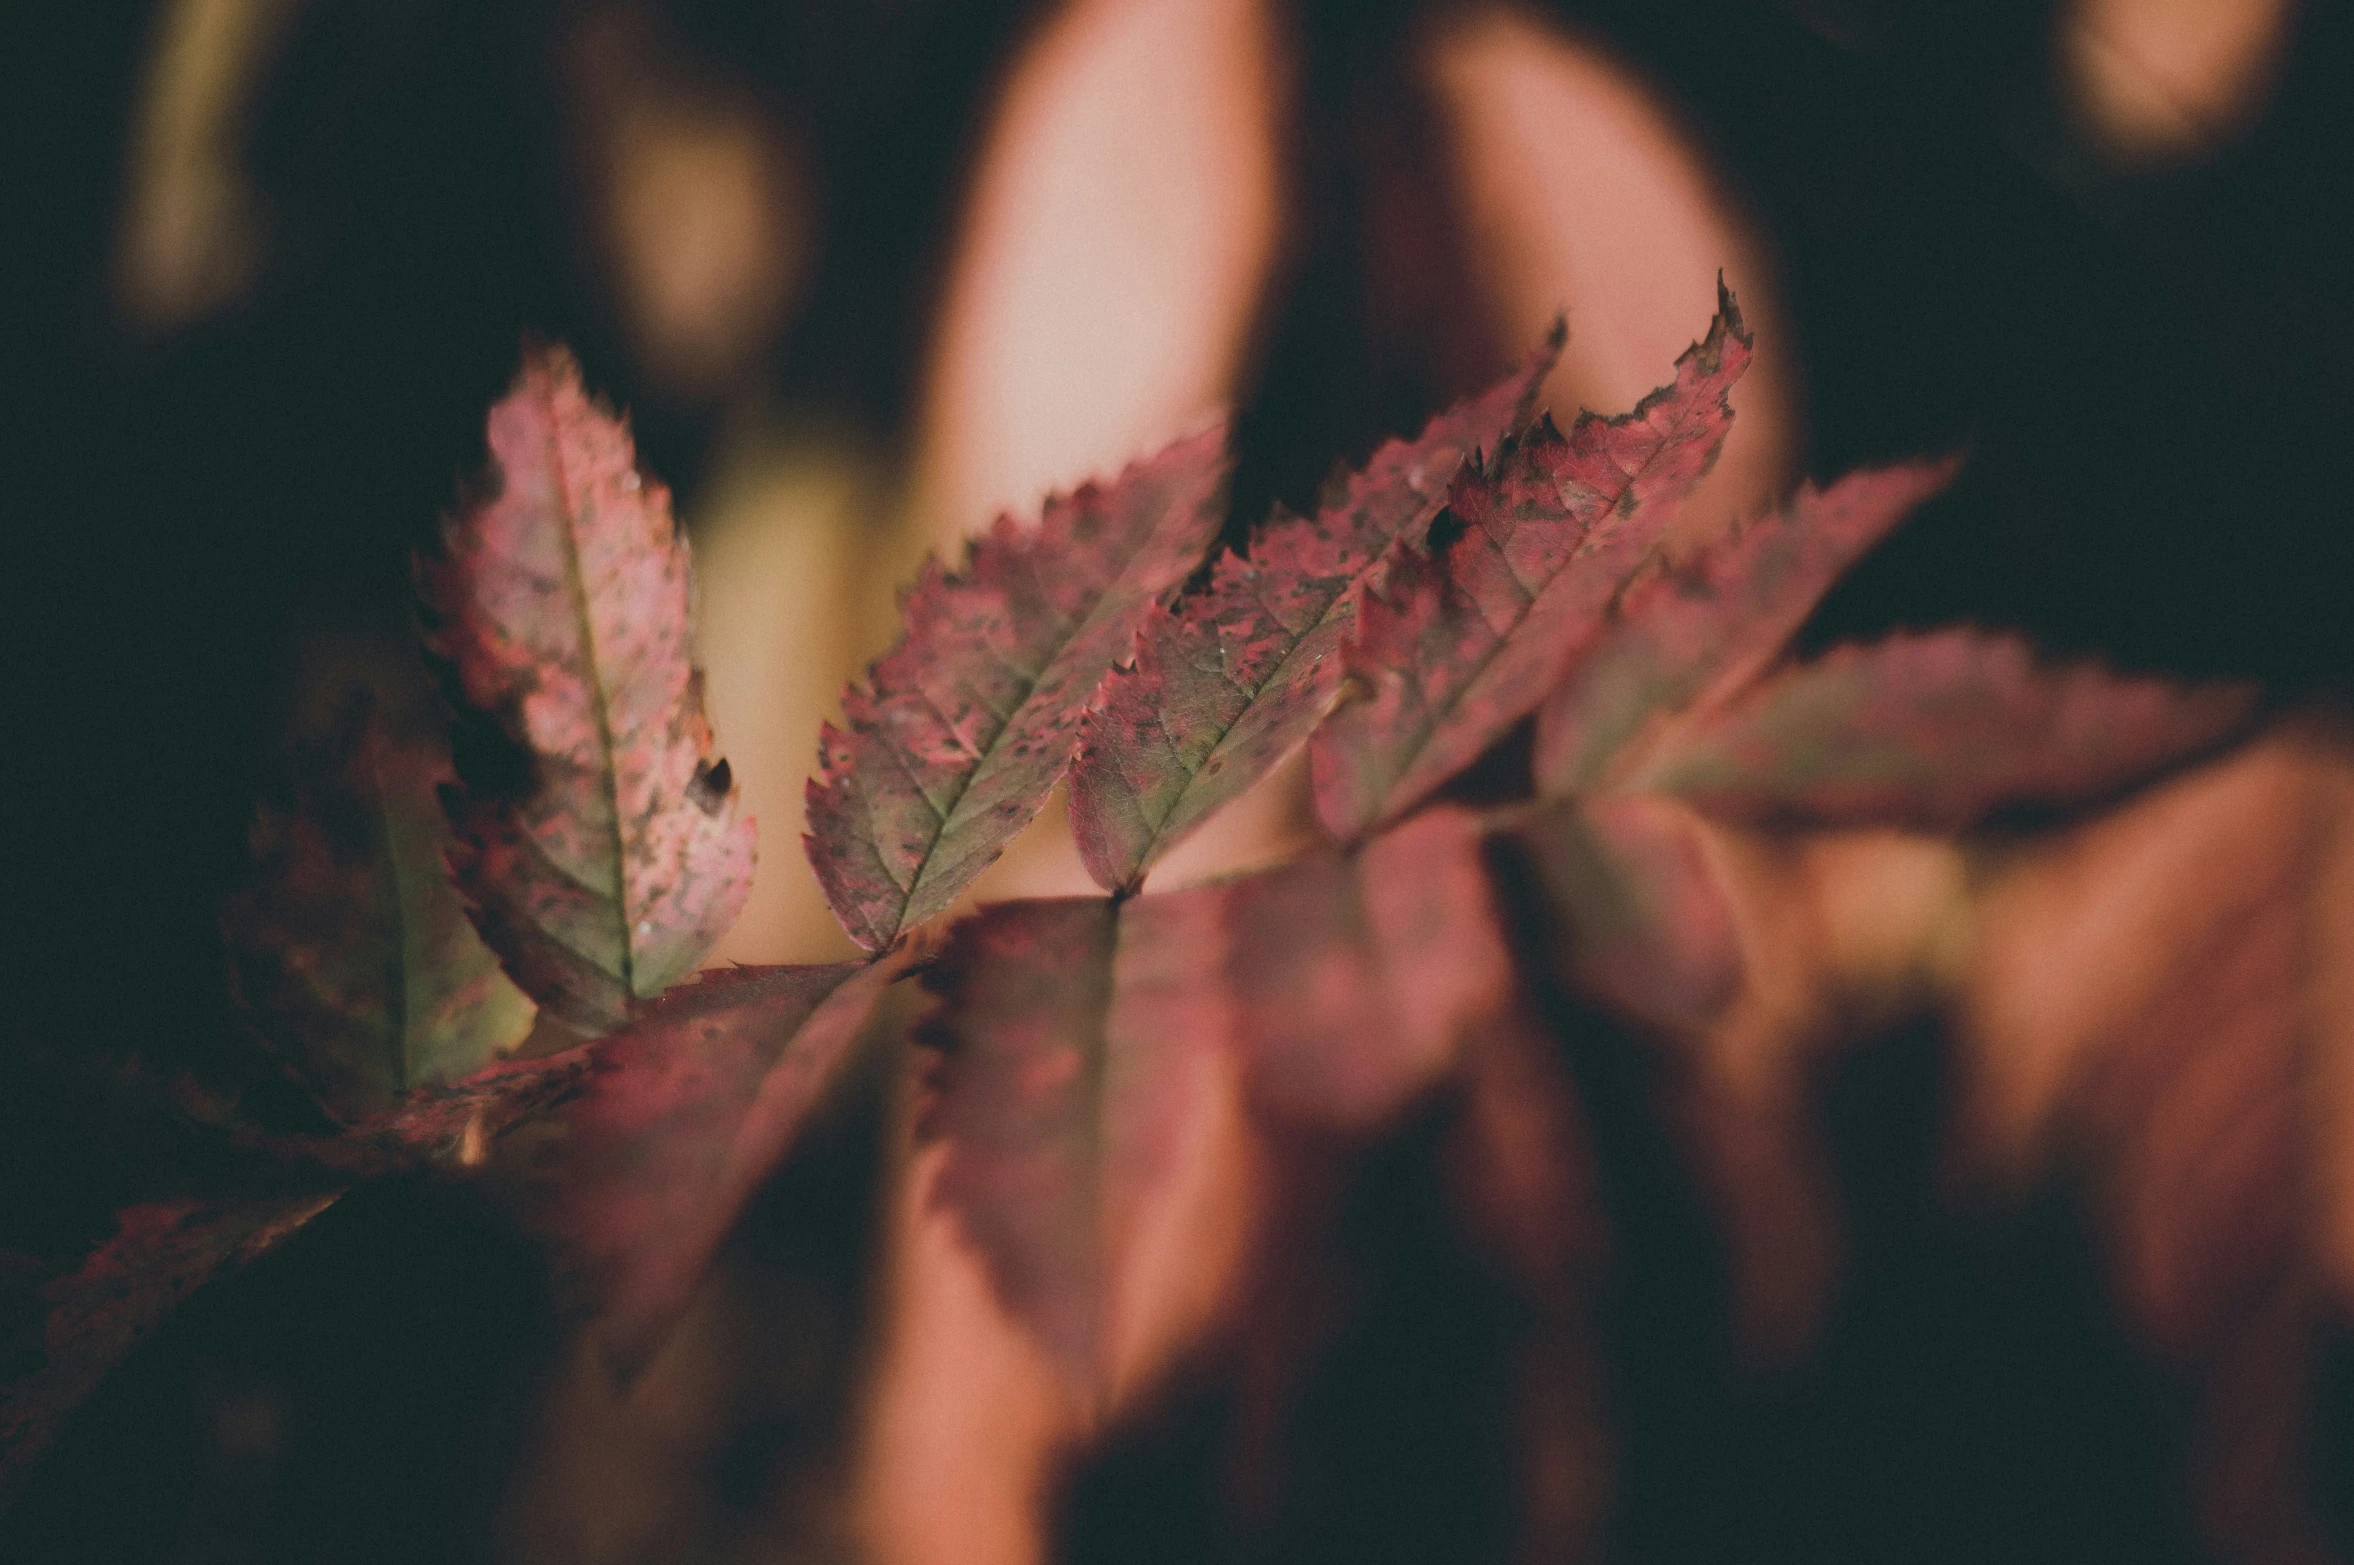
x=350, y=952
x=1231, y=679
x=598, y=841
x=1934, y=731
x=957, y=735
x=1689, y=631
x=636, y=1179
x=1455, y=643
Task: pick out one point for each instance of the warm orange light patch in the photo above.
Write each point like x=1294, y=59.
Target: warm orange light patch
x=2164, y=79
x=1122, y=217
x=1580, y=190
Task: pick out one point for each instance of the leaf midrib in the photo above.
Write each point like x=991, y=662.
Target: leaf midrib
x=576, y=582
x=949, y=819
x=1438, y=714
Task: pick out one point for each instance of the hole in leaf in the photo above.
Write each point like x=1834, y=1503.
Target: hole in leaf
x=713, y=782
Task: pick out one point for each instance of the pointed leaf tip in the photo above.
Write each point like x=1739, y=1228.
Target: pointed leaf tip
x=1457, y=642
x=1233, y=677
x=1935, y=731
x=599, y=843
x=957, y=734
x=1688, y=630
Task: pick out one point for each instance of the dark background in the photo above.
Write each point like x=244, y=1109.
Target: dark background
x=2150, y=369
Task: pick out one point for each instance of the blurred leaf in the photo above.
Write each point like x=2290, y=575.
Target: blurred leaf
x=1079, y=1038
x=2163, y=1001
x=638, y=1177
x=1933, y=731
x=351, y=953
x=76, y=1328
x=1689, y=630
x=1344, y=983
x=1645, y=924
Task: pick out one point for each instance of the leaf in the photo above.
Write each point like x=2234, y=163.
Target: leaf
x=1232, y=678
x=351, y=953
x=62, y=1336
x=1080, y=1038
x=637, y=1179
x=959, y=732
x=1644, y=924
x=1344, y=982
x=1455, y=645
x=1525, y=1193
x=91, y=1319
x=1688, y=632
x=599, y=845
x=1934, y=731
x=454, y=1126
x=1052, y=1129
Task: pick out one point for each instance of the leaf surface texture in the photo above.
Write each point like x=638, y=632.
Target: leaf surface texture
x=1455, y=643
x=1231, y=679
x=957, y=734
x=598, y=839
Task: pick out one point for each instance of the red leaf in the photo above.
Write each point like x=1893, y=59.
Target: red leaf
x=1232, y=679
x=609, y=861
x=86, y=1322
x=637, y=1180
x=351, y=952
x=1344, y=982
x=1687, y=632
x=1454, y=646
x=1645, y=924
x=1080, y=1039
x=1053, y=1131
x=1934, y=731
x=91, y=1319
x=455, y=1125
x=960, y=731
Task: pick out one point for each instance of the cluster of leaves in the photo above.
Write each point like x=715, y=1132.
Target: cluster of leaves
x=1496, y=594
